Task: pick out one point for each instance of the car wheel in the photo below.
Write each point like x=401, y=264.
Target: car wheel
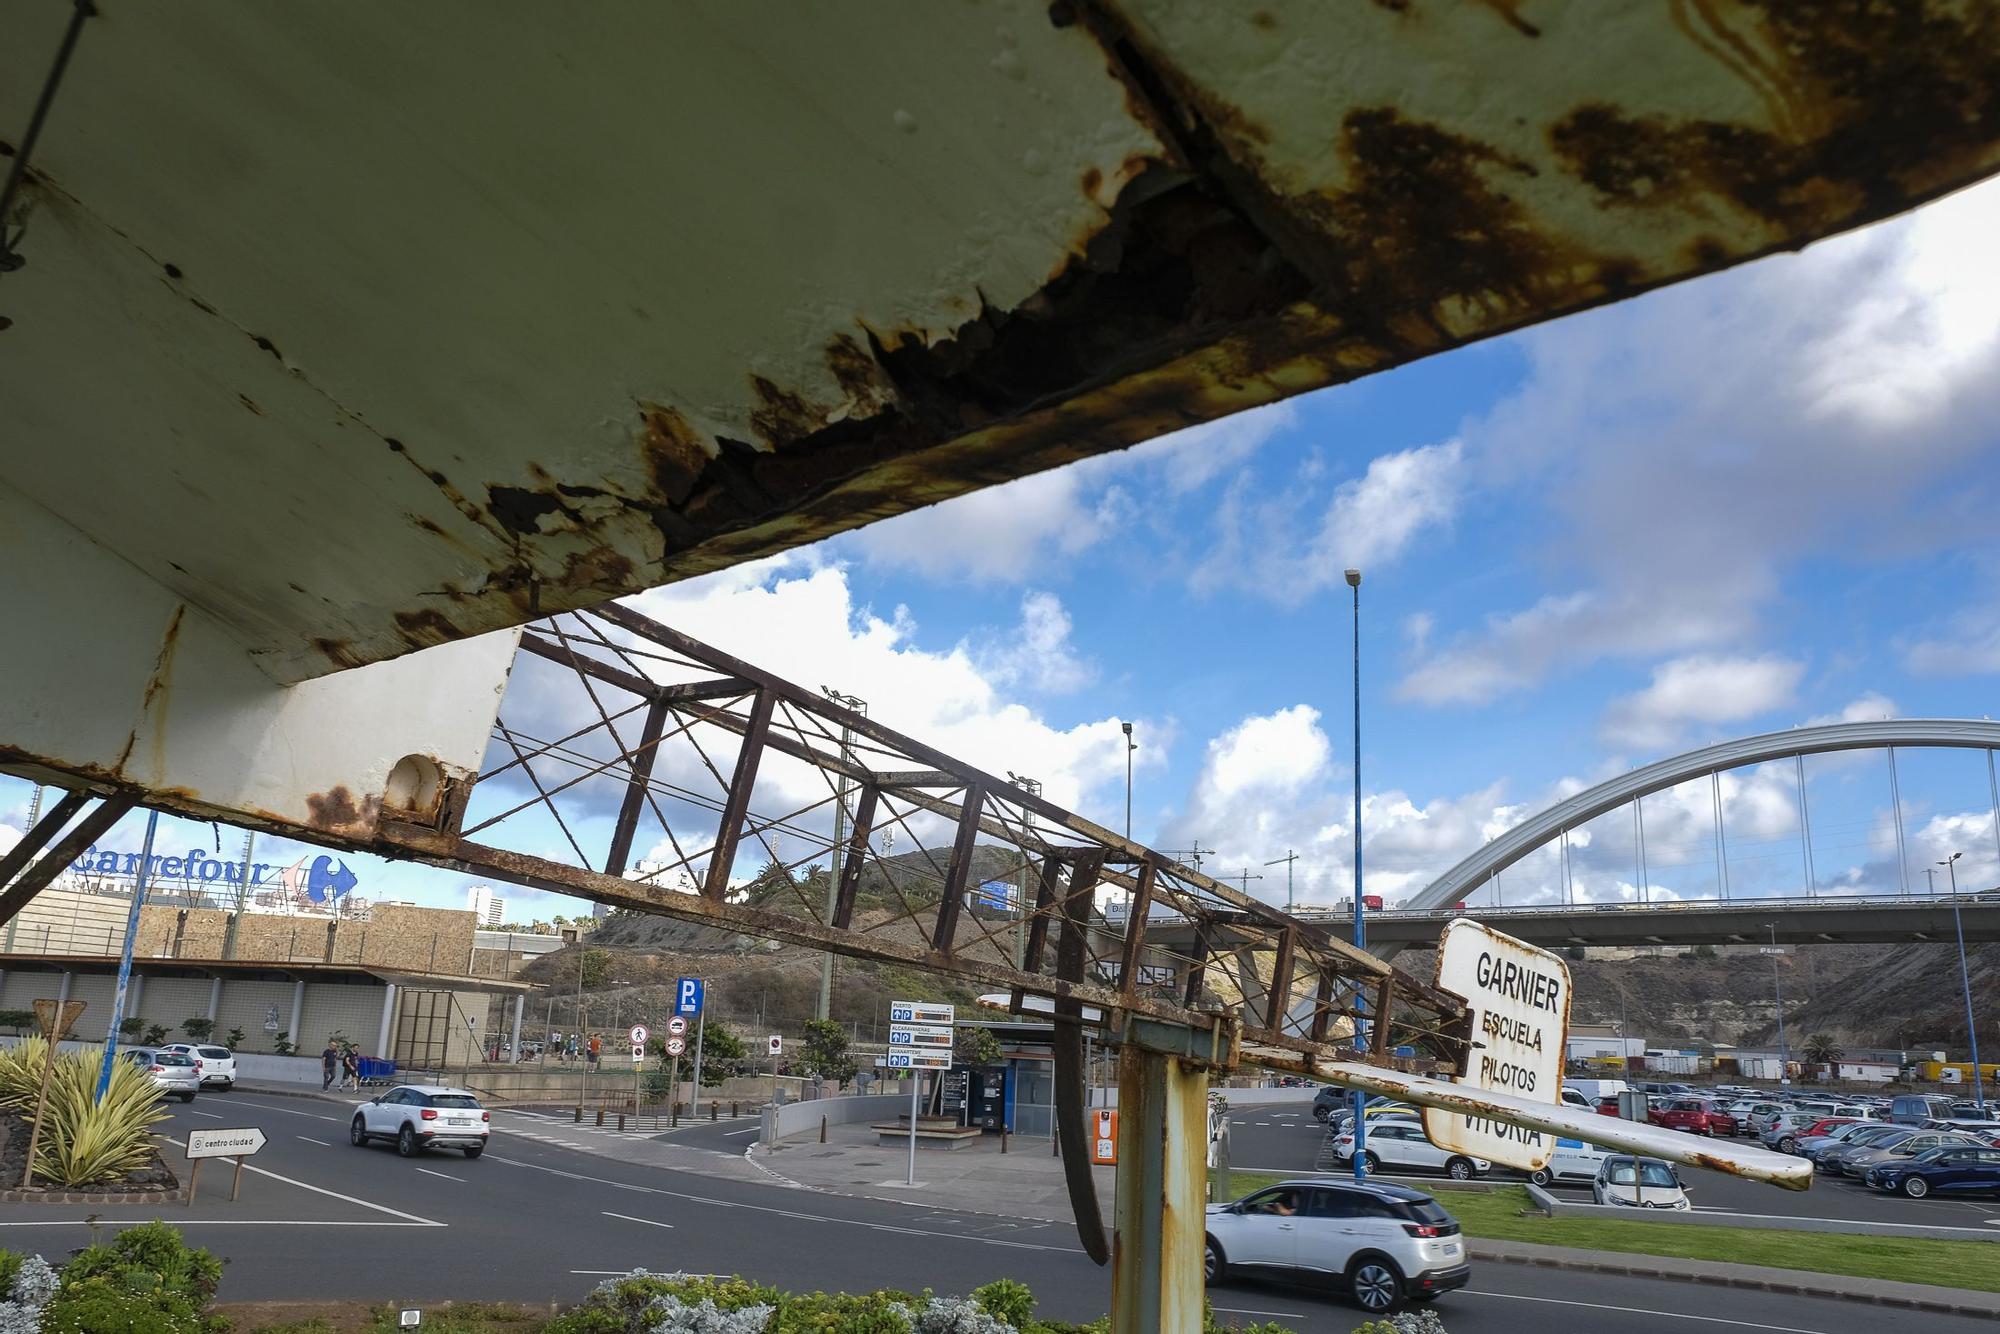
x=1788, y=1145
x=1213, y=1267
x=474, y=1150
x=1319, y=1114
x=1369, y=1162
x=1916, y=1188
x=1375, y=1285
x=1540, y=1176
x=357, y=1133
x=406, y=1141
x=187, y=1097
x=1459, y=1169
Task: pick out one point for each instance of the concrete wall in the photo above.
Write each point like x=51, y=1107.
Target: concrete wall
x=796, y=1118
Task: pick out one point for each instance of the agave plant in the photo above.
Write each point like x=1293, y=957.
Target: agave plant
x=21, y=1072
x=88, y=1139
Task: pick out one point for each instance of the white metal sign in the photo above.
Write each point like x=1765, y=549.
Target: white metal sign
x=920, y=1035
x=918, y=1060
x=921, y=1012
x=639, y=1034
x=678, y=1025
x=1518, y=997
x=777, y=1044
x=676, y=1045
x=224, y=1143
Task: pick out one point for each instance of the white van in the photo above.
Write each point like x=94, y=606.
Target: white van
x=1573, y=1160
x=1597, y=1090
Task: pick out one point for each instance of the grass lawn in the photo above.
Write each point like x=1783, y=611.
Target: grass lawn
x=1497, y=1214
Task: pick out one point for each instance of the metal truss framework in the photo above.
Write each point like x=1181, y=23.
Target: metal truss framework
x=700, y=745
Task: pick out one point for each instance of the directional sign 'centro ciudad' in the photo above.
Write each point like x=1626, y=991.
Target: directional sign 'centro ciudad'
x=1518, y=998
x=224, y=1143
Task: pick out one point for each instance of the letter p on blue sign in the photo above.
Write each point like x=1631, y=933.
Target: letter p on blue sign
x=687, y=995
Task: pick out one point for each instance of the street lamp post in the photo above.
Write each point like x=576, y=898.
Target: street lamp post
x=1778, y=981
x=1130, y=746
x=1950, y=865
x=1360, y=911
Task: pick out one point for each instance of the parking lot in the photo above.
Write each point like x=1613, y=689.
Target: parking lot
x=1285, y=1138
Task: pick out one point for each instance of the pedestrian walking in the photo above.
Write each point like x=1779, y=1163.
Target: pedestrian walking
x=596, y=1045
x=329, y=1062
x=350, y=1064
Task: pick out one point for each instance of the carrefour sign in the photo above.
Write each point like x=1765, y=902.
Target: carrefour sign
x=321, y=878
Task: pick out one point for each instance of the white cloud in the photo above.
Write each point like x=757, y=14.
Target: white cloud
x=1700, y=690
x=1693, y=447
x=1868, y=708
x=1370, y=520
x=1037, y=655
x=1971, y=648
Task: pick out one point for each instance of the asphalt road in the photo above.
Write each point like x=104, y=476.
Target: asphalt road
x=1285, y=1138
x=532, y=1221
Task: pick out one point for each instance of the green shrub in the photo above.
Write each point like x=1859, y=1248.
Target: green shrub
x=198, y=1029
x=882, y=1312
x=1009, y=1299
x=10, y=1265
x=236, y=1038
x=108, y=1305
x=156, y=1251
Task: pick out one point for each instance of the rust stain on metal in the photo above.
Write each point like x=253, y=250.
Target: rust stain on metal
x=337, y=812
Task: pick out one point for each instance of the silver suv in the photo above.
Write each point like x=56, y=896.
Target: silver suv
x=1386, y=1244
x=174, y=1074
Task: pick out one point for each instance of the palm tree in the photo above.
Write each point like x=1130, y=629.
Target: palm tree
x=1820, y=1049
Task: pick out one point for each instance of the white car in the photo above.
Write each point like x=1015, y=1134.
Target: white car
x=415, y=1117
x=1573, y=1160
x=1387, y=1243
x=1645, y=1183
x=1401, y=1143
x=217, y=1064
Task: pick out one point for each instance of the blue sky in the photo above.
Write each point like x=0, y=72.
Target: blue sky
x=1736, y=505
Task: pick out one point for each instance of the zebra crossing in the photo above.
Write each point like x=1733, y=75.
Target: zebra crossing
x=563, y=1131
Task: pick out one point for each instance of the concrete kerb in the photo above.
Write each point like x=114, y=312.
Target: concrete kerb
x=1556, y=1207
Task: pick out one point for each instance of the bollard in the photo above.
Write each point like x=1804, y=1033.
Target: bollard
x=621, y=1121
x=733, y=1110
x=1055, y=1143
x=579, y=1112
x=1003, y=1139
x=822, y=1130
x=713, y=1108
x=676, y=1115
x=600, y=1115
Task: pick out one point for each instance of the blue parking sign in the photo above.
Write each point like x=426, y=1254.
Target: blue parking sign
x=687, y=995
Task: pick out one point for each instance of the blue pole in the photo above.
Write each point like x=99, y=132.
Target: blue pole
x=1360, y=909
x=125, y=955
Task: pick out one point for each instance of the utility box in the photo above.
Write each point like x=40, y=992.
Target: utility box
x=986, y=1096
x=1104, y=1137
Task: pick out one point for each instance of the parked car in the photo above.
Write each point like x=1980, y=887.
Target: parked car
x=423, y=1116
x=1785, y=1136
x=1596, y=1090
x=1951, y=1170
x=1856, y=1164
x=1827, y=1158
x=1399, y=1143
x=1385, y=1243
x=1810, y=1146
x=1789, y=1125
x=174, y=1074
x=1762, y=1114
x=1377, y=1109
x=217, y=1064
x=1573, y=1160
x=1697, y=1116
x=1574, y=1097
x=1913, y=1109
x=1645, y=1183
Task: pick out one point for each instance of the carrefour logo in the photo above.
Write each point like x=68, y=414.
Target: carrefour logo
x=321, y=878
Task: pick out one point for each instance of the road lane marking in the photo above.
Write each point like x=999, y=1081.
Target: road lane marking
x=732, y=1134
x=1641, y=1310
x=213, y=1116
x=288, y=1111
x=1243, y=1310
x=446, y=1175
x=628, y=1218
x=321, y=1190
x=310, y=1140
x=785, y=1213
